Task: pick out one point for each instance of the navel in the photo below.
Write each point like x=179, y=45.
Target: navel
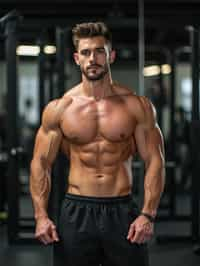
x=99, y=176
x=74, y=139
x=122, y=135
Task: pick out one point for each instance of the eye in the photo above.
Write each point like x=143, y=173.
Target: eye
x=100, y=50
x=85, y=52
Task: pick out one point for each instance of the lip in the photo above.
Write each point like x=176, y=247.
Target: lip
x=93, y=67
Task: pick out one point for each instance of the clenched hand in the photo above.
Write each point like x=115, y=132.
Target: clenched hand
x=141, y=230
x=46, y=231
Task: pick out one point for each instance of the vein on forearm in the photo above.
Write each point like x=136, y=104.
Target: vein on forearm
x=153, y=185
x=44, y=182
x=41, y=177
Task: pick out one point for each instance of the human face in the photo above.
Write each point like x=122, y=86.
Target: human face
x=92, y=58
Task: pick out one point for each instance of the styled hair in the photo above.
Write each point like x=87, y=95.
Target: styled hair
x=89, y=30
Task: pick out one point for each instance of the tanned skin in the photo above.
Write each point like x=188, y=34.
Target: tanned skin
x=100, y=126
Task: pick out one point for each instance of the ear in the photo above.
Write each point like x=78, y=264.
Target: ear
x=112, y=56
x=76, y=58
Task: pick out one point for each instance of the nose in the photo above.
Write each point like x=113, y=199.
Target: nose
x=92, y=57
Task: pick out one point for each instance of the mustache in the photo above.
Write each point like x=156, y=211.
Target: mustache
x=93, y=65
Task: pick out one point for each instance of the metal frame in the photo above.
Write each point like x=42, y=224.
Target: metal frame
x=41, y=73
x=61, y=165
x=20, y=230
x=10, y=22
x=195, y=128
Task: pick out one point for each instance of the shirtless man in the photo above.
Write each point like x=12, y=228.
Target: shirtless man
x=100, y=126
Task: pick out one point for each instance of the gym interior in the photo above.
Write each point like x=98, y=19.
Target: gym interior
x=157, y=46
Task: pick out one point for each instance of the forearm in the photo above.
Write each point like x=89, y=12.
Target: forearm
x=40, y=186
x=153, y=187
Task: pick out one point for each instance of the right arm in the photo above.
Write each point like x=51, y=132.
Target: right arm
x=47, y=144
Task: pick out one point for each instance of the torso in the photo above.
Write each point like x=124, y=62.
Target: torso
x=99, y=139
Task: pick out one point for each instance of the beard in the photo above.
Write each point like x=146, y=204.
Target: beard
x=94, y=75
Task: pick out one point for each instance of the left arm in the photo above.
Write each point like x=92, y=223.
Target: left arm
x=150, y=146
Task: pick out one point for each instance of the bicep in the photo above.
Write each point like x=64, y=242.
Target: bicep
x=47, y=144
x=149, y=142
x=149, y=139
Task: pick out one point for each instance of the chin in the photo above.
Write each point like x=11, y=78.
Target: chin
x=95, y=78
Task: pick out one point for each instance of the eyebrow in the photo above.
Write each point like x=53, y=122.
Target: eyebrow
x=96, y=48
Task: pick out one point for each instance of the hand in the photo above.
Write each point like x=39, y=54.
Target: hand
x=141, y=230
x=46, y=231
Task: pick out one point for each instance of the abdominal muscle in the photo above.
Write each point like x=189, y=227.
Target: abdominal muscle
x=101, y=169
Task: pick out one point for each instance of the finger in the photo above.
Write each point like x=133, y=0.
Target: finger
x=148, y=232
x=142, y=240
x=139, y=234
x=55, y=235
x=45, y=238
x=42, y=239
x=48, y=238
x=39, y=237
x=148, y=236
x=53, y=227
x=131, y=231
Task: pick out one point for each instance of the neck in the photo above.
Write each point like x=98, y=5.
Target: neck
x=98, y=89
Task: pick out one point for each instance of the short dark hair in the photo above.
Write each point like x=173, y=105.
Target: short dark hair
x=89, y=30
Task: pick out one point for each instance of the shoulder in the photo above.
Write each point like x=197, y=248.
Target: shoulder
x=122, y=90
x=53, y=111
x=140, y=106
x=147, y=106
x=73, y=92
x=142, y=109
x=147, y=115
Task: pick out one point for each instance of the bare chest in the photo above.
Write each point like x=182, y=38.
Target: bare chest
x=86, y=120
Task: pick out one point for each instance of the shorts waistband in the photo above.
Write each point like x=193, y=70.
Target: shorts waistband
x=100, y=200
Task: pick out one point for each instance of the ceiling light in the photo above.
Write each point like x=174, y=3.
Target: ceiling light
x=50, y=49
x=28, y=50
x=153, y=70
x=166, y=69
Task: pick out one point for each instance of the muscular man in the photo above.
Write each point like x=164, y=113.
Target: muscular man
x=100, y=126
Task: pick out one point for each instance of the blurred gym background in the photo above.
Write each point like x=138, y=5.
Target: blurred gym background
x=157, y=45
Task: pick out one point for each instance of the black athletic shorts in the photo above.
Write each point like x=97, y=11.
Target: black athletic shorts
x=93, y=232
